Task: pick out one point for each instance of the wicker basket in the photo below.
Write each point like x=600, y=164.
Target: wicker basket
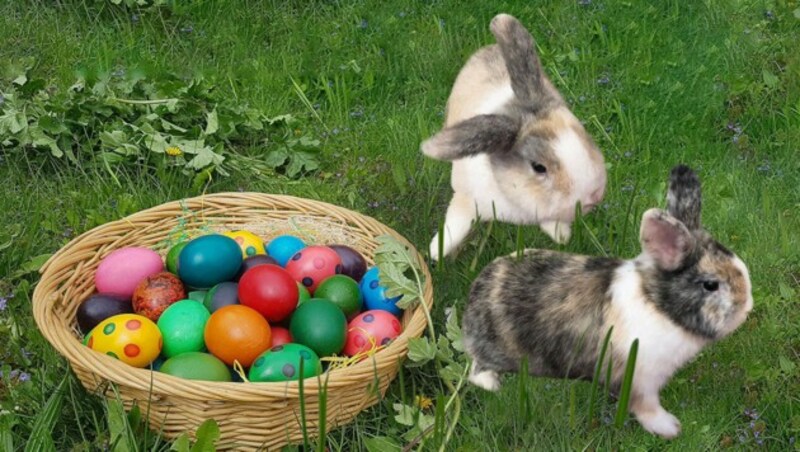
x=250, y=416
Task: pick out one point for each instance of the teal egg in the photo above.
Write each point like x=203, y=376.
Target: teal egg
x=197, y=366
x=182, y=325
x=209, y=260
x=282, y=363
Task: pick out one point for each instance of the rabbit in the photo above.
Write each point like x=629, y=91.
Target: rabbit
x=519, y=154
x=684, y=291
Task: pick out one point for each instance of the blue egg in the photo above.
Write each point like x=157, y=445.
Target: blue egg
x=283, y=247
x=375, y=294
x=209, y=260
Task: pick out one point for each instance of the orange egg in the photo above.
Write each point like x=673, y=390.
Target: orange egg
x=237, y=333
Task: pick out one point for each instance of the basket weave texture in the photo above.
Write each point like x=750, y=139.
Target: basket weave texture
x=260, y=416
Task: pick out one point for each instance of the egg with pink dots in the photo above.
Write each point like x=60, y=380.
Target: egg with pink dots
x=370, y=330
x=375, y=293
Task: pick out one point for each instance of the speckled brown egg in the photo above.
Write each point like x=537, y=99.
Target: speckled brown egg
x=156, y=293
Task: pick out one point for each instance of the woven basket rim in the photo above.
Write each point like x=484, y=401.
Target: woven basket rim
x=69, y=346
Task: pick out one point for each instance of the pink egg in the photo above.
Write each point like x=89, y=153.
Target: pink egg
x=371, y=329
x=121, y=271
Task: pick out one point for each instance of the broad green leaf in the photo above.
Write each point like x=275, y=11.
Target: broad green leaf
x=420, y=351
x=453, y=371
x=453, y=331
x=181, y=444
x=277, y=158
x=207, y=435
x=118, y=426
x=381, y=444
x=212, y=123
x=156, y=143
x=770, y=79
x=788, y=367
x=205, y=157
x=300, y=162
x=405, y=414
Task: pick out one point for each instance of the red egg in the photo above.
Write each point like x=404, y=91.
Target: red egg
x=371, y=329
x=311, y=265
x=280, y=336
x=156, y=293
x=270, y=290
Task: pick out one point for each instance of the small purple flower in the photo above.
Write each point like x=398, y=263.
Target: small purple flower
x=627, y=154
x=187, y=29
x=627, y=188
x=13, y=374
x=363, y=24
x=769, y=14
x=134, y=18
x=584, y=2
x=791, y=440
x=2, y=99
x=119, y=73
x=3, y=303
x=362, y=159
x=357, y=113
x=714, y=364
x=441, y=23
x=24, y=376
x=335, y=131
x=604, y=80
x=401, y=14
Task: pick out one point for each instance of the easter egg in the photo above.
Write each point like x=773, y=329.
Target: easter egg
x=320, y=325
x=130, y=338
x=155, y=293
x=172, y=257
x=253, y=261
x=196, y=366
x=282, y=363
x=98, y=307
x=280, y=336
x=121, y=271
x=343, y=291
x=270, y=290
x=283, y=247
x=371, y=329
x=353, y=263
x=197, y=295
x=303, y=294
x=209, y=260
x=249, y=243
x=223, y=294
x=311, y=265
x=182, y=325
x=375, y=294
x=237, y=333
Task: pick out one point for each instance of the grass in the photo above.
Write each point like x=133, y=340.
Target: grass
x=712, y=84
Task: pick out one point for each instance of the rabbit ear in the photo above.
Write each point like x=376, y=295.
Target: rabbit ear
x=684, y=200
x=665, y=239
x=483, y=133
x=521, y=58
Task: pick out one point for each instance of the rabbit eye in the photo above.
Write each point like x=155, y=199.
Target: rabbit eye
x=538, y=167
x=710, y=286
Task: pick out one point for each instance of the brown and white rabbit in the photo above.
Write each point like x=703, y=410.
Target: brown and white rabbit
x=684, y=291
x=519, y=154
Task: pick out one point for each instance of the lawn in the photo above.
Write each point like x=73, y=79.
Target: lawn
x=715, y=85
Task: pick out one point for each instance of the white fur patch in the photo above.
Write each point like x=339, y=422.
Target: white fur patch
x=487, y=379
x=578, y=163
x=663, y=346
x=496, y=101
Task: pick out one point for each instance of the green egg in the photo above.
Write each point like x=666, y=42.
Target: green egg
x=172, y=257
x=182, y=326
x=197, y=295
x=197, y=366
x=282, y=363
x=320, y=325
x=343, y=291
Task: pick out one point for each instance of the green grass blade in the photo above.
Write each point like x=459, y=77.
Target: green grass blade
x=627, y=383
x=7, y=423
x=597, y=370
x=43, y=426
x=323, y=413
x=302, y=396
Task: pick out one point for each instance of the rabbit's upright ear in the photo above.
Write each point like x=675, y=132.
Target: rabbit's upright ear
x=684, y=200
x=665, y=239
x=521, y=59
x=483, y=133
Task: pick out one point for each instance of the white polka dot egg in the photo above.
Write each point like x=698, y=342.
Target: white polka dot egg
x=130, y=338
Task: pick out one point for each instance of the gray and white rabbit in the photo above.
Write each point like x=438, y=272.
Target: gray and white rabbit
x=519, y=154
x=684, y=291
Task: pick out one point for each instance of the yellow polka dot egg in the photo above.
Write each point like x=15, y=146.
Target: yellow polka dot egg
x=250, y=243
x=130, y=338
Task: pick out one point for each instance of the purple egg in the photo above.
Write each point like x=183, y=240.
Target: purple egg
x=353, y=263
x=100, y=306
x=254, y=261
